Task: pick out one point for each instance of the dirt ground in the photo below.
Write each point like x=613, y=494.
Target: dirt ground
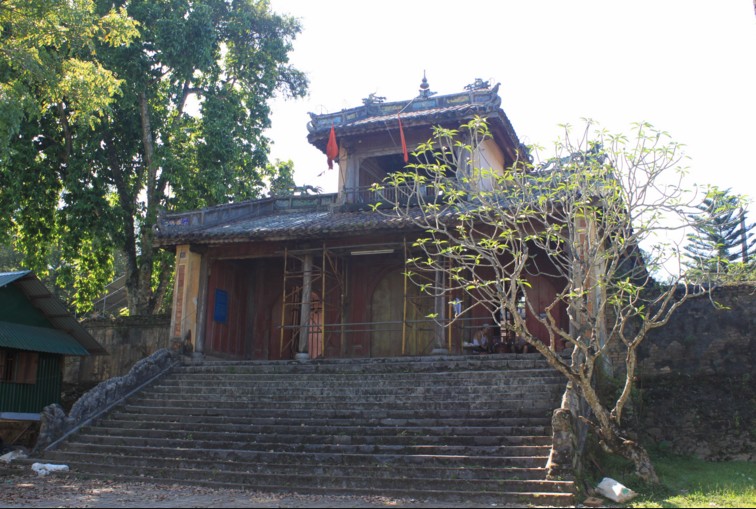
x=21, y=487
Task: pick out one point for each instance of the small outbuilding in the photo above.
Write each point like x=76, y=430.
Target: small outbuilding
x=36, y=332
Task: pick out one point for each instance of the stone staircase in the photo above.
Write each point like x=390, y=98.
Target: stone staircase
x=474, y=429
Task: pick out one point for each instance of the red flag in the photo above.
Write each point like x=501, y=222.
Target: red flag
x=404, y=142
x=332, y=149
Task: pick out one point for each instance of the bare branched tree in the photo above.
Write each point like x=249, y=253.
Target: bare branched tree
x=575, y=223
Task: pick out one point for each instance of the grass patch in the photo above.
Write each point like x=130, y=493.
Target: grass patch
x=691, y=482
x=688, y=482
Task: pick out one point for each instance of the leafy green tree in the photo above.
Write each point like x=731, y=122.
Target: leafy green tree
x=721, y=236
x=575, y=224
x=183, y=129
x=10, y=260
x=46, y=61
x=51, y=85
x=281, y=178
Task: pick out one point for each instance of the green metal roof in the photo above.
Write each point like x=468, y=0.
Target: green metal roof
x=9, y=277
x=38, y=339
x=32, y=318
x=15, y=307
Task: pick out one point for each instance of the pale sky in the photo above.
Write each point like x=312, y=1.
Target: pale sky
x=686, y=66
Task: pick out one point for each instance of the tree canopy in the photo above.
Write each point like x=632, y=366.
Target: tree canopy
x=575, y=223
x=46, y=58
x=151, y=104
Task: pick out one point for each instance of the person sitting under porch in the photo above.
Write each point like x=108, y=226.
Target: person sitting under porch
x=481, y=341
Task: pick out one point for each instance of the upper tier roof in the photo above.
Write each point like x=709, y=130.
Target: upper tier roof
x=425, y=110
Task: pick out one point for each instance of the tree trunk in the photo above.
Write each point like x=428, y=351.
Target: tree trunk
x=128, y=242
x=612, y=442
x=612, y=438
x=143, y=301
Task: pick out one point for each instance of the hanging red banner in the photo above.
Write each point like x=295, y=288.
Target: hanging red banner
x=404, y=142
x=332, y=149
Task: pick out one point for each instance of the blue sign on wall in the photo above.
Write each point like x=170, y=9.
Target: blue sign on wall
x=220, y=313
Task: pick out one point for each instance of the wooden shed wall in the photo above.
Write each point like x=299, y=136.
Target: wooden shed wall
x=32, y=398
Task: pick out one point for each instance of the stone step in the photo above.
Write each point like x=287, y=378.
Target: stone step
x=511, y=499
x=249, y=370
x=361, y=386
x=231, y=397
x=484, y=402
x=275, y=482
x=83, y=441
x=376, y=469
x=525, y=410
x=303, y=458
x=298, y=401
x=417, y=383
x=204, y=431
x=360, y=380
x=241, y=373
x=226, y=440
x=374, y=365
x=124, y=419
x=466, y=428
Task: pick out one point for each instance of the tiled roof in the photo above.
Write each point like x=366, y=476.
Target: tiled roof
x=435, y=113
x=374, y=116
x=275, y=223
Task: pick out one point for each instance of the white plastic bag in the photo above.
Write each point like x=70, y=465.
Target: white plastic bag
x=43, y=469
x=7, y=458
x=615, y=491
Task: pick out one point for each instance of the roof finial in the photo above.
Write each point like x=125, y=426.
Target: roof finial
x=479, y=84
x=425, y=91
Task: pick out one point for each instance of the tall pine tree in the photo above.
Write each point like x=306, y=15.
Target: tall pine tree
x=721, y=234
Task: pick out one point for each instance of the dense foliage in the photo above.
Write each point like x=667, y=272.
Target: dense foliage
x=115, y=110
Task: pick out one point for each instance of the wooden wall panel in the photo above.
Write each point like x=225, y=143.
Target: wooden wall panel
x=227, y=337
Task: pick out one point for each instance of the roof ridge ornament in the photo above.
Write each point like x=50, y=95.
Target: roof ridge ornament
x=373, y=99
x=425, y=91
x=478, y=84
x=371, y=103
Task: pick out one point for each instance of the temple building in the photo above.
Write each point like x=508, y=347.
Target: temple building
x=323, y=275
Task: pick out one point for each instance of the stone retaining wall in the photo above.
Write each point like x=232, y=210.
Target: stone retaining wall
x=710, y=417
x=127, y=340
x=696, y=378
x=704, y=339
